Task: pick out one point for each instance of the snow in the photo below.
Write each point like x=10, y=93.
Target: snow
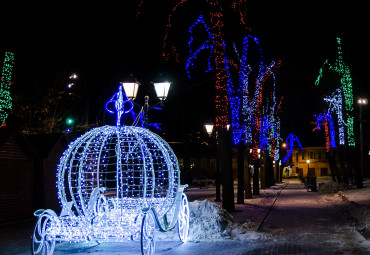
x=332, y=187
x=354, y=204
x=210, y=222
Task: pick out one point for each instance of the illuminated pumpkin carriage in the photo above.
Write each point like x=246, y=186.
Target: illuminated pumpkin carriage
x=115, y=183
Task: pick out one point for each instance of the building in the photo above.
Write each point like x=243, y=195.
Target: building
x=19, y=177
x=50, y=148
x=312, y=161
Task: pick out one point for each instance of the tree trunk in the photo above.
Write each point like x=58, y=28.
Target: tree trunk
x=263, y=171
x=256, y=186
x=227, y=173
x=247, y=177
x=240, y=194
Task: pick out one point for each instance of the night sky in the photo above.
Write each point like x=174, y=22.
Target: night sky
x=104, y=43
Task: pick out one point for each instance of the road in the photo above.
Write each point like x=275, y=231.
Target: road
x=302, y=220
x=299, y=222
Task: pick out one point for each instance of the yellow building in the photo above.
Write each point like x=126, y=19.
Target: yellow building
x=312, y=161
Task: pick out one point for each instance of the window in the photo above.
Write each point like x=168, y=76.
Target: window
x=319, y=155
x=312, y=155
x=212, y=163
x=302, y=155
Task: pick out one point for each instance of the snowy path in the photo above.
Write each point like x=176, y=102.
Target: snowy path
x=301, y=219
x=299, y=223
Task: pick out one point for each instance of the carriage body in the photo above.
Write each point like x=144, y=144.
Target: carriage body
x=115, y=183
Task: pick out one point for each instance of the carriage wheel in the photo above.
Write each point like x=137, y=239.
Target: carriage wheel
x=147, y=234
x=42, y=243
x=183, y=219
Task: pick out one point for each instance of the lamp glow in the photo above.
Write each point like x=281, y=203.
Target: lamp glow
x=131, y=89
x=162, y=89
x=362, y=101
x=209, y=128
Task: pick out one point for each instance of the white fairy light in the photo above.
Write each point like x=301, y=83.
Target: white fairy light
x=112, y=183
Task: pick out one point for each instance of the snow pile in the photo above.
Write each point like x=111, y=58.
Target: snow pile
x=332, y=187
x=357, y=213
x=210, y=222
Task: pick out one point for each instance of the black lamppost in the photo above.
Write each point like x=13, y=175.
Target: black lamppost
x=209, y=129
x=161, y=89
x=360, y=174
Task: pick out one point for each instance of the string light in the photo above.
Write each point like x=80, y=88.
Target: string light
x=115, y=183
x=5, y=98
x=222, y=77
x=235, y=101
x=335, y=105
x=340, y=67
x=326, y=120
x=169, y=50
x=290, y=145
x=207, y=45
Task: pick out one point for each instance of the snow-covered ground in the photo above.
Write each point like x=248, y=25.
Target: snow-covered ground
x=300, y=222
x=352, y=203
x=209, y=222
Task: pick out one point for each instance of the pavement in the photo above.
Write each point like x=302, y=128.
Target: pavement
x=297, y=222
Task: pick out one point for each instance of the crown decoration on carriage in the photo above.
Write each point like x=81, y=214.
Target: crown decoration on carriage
x=115, y=183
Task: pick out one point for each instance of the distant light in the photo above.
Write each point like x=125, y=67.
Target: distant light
x=70, y=85
x=362, y=101
x=308, y=161
x=68, y=130
x=73, y=76
x=69, y=121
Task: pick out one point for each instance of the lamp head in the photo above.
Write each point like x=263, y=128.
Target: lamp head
x=161, y=89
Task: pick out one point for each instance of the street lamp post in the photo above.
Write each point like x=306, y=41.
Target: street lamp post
x=308, y=166
x=123, y=100
x=360, y=174
x=209, y=129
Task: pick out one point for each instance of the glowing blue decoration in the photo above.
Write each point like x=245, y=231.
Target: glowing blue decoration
x=115, y=183
x=265, y=132
x=320, y=121
x=121, y=103
x=335, y=105
x=247, y=111
x=290, y=145
x=207, y=45
x=277, y=145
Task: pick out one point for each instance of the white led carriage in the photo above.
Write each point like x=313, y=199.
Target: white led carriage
x=115, y=183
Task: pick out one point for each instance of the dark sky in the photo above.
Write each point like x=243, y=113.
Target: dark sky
x=105, y=42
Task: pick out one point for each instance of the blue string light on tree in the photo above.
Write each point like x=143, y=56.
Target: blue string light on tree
x=206, y=46
x=322, y=120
